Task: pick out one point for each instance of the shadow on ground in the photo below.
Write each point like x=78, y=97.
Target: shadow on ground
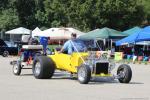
x=106, y=80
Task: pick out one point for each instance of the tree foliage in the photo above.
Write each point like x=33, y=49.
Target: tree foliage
x=84, y=15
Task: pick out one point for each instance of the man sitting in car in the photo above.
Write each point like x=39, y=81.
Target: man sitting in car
x=73, y=45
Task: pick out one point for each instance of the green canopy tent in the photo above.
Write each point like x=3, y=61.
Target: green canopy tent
x=104, y=33
x=132, y=30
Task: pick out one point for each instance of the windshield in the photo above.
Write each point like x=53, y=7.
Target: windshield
x=10, y=44
x=85, y=44
x=89, y=43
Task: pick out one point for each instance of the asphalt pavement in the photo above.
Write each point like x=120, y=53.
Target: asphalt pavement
x=61, y=87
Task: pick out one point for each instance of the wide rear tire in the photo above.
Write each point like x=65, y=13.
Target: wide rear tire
x=125, y=73
x=43, y=67
x=84, y=74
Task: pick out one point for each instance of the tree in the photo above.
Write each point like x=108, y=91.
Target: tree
x=122, y=14
x=84, y=15
x=26, y=12
x=56, y=12
x=146, y=5
x=3, y=4
x=8, y=19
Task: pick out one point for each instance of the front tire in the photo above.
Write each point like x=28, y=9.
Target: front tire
x=17, y=68
x=84, y=74
x=43, y=67
x=125, y=73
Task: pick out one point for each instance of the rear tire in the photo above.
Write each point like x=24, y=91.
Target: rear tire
x=84, y=74
x=43, y=67
x=5, y=54
x=125, y=71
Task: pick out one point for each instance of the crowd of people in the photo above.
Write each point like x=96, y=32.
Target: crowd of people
x=136, y=52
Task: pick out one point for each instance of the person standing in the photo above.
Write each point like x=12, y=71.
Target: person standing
x=44, y=42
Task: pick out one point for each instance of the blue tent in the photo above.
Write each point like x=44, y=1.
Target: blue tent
x=132, y=30
x=143, y=35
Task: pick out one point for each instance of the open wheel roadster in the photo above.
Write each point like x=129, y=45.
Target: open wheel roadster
x=86, y=65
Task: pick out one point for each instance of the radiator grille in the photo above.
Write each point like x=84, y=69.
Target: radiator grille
x=102, y=68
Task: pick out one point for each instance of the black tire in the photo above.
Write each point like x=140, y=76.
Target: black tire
x=5, y=54
x=43, y=67
x=127, y=73
x=37, y=54
x=84, y=74
x=17, y=68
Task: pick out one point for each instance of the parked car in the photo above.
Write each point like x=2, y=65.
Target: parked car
x=8, y=48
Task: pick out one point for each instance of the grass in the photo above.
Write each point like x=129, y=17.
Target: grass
x=52, y=46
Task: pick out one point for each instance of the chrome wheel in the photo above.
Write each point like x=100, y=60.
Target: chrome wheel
x=124, y=73
x=81, y=74
x=15, y=68
x=121, y=74
x=37, y=68
x=84, y=74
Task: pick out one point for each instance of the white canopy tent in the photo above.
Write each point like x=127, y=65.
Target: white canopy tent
x=143, y=43
x=19, y=30
x=16, y=34
x=36, y=31
x=59, y=33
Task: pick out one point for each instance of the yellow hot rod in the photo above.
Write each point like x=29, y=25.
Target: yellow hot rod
x=86, y=65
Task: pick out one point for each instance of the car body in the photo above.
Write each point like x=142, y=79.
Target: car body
x=87, y=65
x=68, y=62
x=8, y=48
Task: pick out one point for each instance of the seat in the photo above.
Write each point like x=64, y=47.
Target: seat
x=32, y=47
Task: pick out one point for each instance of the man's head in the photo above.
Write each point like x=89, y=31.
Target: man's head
x=73, y=36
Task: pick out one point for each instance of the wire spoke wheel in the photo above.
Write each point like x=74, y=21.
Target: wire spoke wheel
x=125, y=73
x=84, y=74
x=81, y=74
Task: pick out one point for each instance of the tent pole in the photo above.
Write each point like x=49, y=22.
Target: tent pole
x=59, y=43
x=108, y=44
x=104, y=41
x=144, y=46
x=111, y=44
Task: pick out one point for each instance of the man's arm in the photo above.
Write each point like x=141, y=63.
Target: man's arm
x=61, y=50
x=64, y=47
